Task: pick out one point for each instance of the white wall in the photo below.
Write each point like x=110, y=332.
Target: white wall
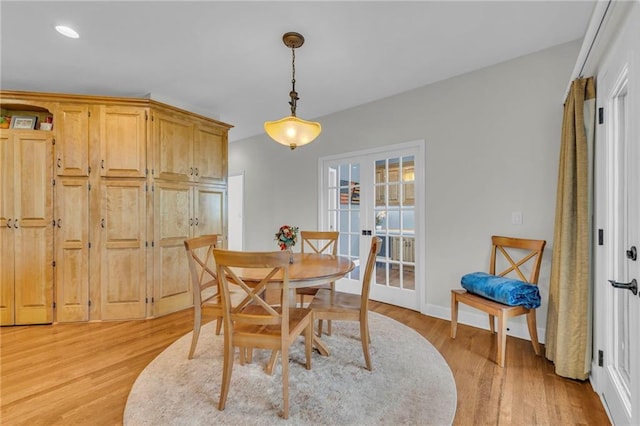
x=492, y=142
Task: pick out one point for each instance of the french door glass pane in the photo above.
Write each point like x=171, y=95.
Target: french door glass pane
x=344, y=210
x=395, y=221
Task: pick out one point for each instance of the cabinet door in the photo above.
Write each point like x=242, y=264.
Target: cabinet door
x=72, y=249
x=33, y=212
x=71, y=126
x=7, y=258
x=209, y=211
x=173, y=223
x=123, y=138
x=210, y=154
x=122, y=251
x=173, y=147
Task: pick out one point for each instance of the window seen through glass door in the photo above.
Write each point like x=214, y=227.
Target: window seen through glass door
x=344, y=210
x=395, y=222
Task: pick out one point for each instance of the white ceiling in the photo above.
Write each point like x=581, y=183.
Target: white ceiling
x=226, y=59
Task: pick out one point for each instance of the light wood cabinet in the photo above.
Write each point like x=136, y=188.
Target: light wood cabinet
x=210, y=154
x=123, y=139
x=184, y=211
x=173, y=147
x=122, y=229
x=26, y=234
x=83, y=235
x=187, y=150
x=71, y=126
x=71, y=231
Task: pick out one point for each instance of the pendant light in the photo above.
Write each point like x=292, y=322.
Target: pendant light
x=293, y=131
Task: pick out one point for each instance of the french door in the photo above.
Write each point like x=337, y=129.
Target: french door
x=617, y=267
x=378, y=193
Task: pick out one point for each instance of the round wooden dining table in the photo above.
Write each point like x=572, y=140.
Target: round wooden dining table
x=307, y=270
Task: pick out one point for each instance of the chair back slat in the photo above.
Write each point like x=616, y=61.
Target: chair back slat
x=517, y=252
x=320, y=241
x=201, y=267
x=253, y=309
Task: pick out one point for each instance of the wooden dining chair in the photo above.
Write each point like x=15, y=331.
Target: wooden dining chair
x=526, y=252
x=204, y=283
x=339, y=306
x=318, y=242
x=253, y=323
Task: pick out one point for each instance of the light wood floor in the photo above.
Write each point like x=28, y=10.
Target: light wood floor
x=82, y=373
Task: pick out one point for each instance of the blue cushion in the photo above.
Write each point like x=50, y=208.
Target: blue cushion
x=501, y=289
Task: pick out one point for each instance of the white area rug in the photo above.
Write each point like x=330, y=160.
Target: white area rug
x=410, y=383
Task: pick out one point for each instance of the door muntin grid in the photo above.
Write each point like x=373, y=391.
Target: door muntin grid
x=394, y=216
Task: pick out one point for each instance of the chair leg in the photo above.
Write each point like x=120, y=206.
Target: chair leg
x=197, y=320
x=533, y=331
x=272, y=362
x=242, y=352
x=308, y=343
x=364, y=336
x=226, y=370
x=492, y=323
x=454, y=315
x=329, y=328
x=218, y=325
x=319, y=328
x=285, y=381
x=502, y=338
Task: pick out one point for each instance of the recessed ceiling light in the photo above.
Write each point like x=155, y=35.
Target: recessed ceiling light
x=67, y=32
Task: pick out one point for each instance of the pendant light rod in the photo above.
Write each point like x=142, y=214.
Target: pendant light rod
x=293, y=40
x=293, y=131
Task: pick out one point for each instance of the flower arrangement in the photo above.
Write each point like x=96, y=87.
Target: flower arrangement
x=287, y=236
x=380, y=217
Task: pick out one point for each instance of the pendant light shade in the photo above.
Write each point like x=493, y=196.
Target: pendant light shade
x=293, y=131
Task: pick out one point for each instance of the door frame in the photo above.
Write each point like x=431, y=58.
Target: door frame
x=420, y=205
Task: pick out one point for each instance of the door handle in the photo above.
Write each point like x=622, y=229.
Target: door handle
x=633, y=285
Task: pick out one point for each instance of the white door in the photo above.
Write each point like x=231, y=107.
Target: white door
x=378, y=193
x=617, y=265
x=236, y=212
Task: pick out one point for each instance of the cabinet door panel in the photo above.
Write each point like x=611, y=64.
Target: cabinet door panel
x=123, y=138
x=123, y=265
x=34, y=274
x=6, y=178
x=33, y=209
x=72, y=249
x=173, y=223
x=7, y=271
x=72, y=140
x=7, y=251
x=6, y=231
x=173, y=140
x=210, y=154
x=209, y=210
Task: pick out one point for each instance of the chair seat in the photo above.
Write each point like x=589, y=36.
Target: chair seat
x=337, y=301
x=215, y=300
x=488, y=305
x=311, y=291
x=298, y=318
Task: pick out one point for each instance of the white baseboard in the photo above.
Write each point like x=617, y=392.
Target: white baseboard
x=481, y=320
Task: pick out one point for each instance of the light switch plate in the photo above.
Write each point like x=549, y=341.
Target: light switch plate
x=516, y=218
